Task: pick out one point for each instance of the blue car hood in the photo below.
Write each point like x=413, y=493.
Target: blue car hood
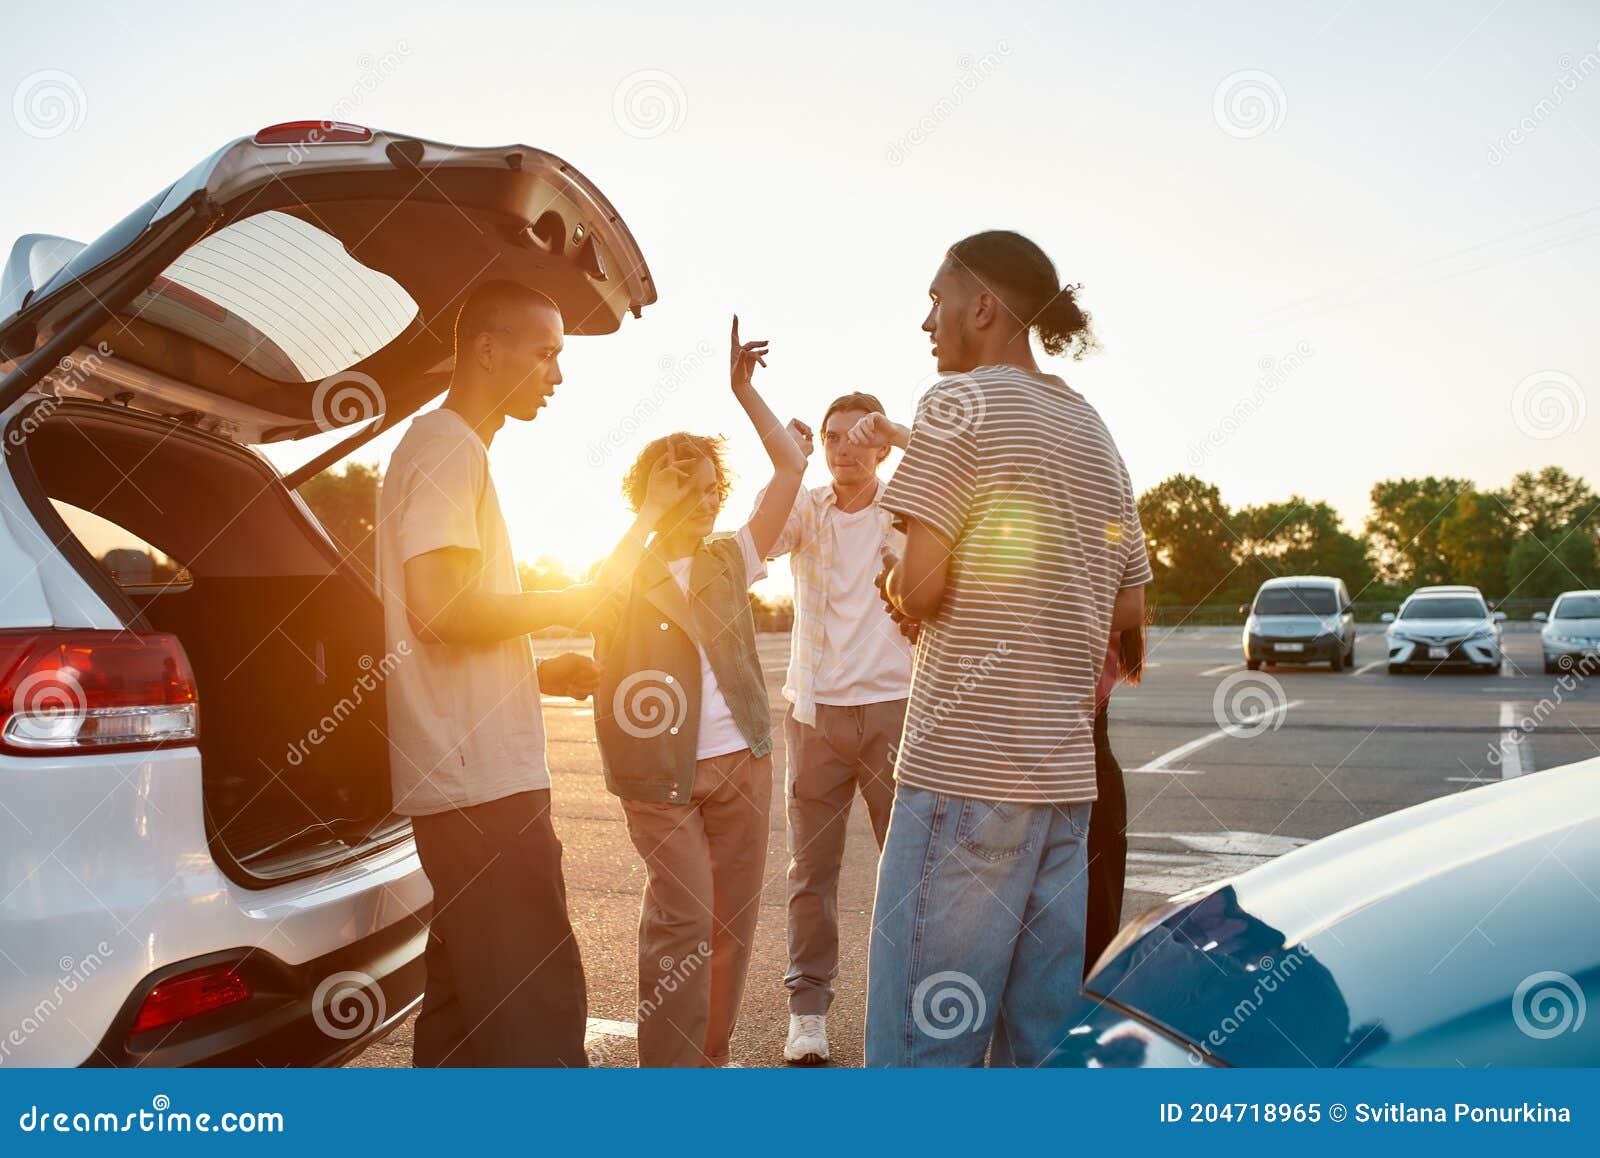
x=1460, y=931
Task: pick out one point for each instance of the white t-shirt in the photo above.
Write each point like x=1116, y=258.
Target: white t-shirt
x=718, y=735
x=865, y=659
x=465, y=725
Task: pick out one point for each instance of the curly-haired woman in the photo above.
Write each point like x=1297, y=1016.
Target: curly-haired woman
x=685, y=731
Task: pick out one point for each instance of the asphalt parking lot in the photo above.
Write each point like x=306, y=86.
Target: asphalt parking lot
x=1225, y=769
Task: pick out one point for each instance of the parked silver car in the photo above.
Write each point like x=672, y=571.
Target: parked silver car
x=1571, y=631
x=1300, y=619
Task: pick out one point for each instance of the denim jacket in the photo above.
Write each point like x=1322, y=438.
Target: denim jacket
x=647, y=708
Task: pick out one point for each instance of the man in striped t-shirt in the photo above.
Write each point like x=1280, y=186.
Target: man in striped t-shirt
x=1023, y=551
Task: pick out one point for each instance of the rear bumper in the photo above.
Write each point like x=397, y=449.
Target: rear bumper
x=317, y=1013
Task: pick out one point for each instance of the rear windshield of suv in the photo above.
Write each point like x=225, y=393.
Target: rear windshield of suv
x=280, y=296
x=1445, y=607
x=1578, y=607
x=1296, y=601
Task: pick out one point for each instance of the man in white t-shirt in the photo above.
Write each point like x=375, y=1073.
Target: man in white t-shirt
x=849, y=675
x=466, y=738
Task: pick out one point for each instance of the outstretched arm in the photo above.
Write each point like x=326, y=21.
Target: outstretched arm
x=788, y=461
x=445, y=605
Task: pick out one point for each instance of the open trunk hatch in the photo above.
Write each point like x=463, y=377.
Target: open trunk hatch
x=301, y=280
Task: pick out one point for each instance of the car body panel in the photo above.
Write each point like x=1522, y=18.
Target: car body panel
x=1400, y=941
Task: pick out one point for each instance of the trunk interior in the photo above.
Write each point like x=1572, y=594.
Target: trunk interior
x=198, y=537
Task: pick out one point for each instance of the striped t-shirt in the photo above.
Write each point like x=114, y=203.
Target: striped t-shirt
x=1019, y=474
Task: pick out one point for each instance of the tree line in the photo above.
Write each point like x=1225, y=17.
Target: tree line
x=1531, y=539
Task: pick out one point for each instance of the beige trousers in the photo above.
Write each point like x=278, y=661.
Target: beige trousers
x=705, y=862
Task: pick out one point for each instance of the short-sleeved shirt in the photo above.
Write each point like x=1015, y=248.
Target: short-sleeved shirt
x=718, y=733
x=465, y=725
x=1017, y=472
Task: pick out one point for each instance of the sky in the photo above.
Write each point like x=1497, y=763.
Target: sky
x=1323, y=243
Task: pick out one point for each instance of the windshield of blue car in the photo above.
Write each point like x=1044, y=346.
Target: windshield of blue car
x=1296, y=601
x=1458, y=607
x=1578, y=607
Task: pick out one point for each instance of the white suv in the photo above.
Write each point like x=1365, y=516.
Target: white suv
x=201, y=863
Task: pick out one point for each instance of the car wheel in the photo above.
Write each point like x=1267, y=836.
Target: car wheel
x=1350, y=657
x=1253, y=664
x=1396, y=668
x=1551, y=667
x=1337, y=662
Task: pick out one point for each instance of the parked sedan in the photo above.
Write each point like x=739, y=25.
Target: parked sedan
x=1460, y=932
x=1571, y=632
x=1444, y=627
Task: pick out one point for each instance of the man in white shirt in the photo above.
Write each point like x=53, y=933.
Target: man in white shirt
x=849, y=675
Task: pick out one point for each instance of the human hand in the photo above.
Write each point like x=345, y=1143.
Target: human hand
x=744, y=357
x=569, y=674
x=873, y=430
x=803, y=436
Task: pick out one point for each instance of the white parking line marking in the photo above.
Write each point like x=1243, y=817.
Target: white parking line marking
x=600, y=1026
x=1366, y=667
x=1208, y=856
x=1159, y=764
x=1227, y=667
x=1515, y=760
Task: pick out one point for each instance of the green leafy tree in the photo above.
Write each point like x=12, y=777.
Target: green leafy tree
x=1403, y=528
x=1186, y=527
x=1299, y=537
x=1541, y=569
x=346, y=504
x=1545, y=504
x=1475, y=539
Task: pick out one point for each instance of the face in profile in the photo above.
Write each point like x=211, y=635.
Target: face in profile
x=527, y=366
x=948, y=324
x=849, y=465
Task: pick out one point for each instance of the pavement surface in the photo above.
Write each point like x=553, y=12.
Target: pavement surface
x=1225, y=769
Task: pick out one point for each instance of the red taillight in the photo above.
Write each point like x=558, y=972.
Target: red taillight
x=314, y=133
x=94, y=691
x=189, y=995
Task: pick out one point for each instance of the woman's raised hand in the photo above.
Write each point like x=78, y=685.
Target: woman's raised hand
x=743, y=358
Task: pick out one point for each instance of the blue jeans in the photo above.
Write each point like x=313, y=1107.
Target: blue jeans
x=977, y=931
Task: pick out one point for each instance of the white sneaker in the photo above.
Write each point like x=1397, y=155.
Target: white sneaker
x=808, y=1039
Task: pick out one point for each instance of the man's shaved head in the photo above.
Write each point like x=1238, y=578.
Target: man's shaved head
x=498, y=306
